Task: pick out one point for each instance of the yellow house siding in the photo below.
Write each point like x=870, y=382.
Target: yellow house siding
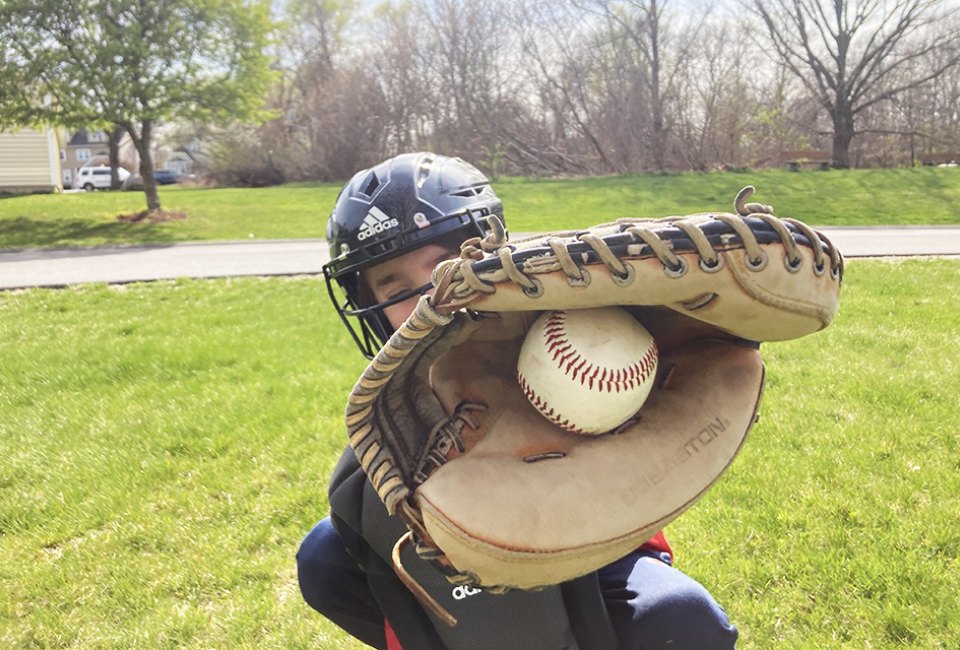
x=29, y=161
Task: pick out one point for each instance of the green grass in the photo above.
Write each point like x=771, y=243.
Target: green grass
x=839, y=525
x=856, y=197
x=165, y=447
x=90, y=218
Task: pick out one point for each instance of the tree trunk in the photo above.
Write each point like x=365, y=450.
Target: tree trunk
x=656, y=93
x=659, y=136
x=144, y=144
x=843, y=133
x=113, y=144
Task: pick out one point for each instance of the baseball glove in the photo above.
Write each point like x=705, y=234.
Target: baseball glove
x=497, y=495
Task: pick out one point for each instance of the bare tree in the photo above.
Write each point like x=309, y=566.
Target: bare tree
x=613, y=70
x=311, y=52
x=930, y=116
x=849, y=53
x=714, y=103
x=565, y=57
x=660, y=52
x=601, y=86
x=466, y=50
x=328, y=115
x=403, y=73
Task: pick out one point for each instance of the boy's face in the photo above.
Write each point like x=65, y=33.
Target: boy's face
x=400, y=274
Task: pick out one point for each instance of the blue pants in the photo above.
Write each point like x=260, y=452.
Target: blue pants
x=651, y=604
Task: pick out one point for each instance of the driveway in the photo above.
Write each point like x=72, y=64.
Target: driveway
x=117, y=264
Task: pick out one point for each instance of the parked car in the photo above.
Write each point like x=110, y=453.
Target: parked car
x=133, y=183
x=98, y=178
x=166, y=176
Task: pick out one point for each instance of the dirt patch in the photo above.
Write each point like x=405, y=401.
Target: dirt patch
x=152, y=216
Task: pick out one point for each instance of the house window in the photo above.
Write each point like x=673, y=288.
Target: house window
x=83, y=154
x=63, y=155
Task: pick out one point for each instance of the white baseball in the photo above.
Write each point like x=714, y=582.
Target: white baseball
x=587, y=370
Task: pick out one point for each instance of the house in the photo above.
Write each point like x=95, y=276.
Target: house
x=180, y=161
x=84, y=148
x=30, y=160
x=92, y=149
x=181, y=154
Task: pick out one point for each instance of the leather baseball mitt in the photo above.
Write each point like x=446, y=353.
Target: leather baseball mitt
x=499, y=496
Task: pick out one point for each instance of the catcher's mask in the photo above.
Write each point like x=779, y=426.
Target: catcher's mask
x=389, y=210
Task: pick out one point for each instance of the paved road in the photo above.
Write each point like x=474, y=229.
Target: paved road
x=54, y=268
x=114, y=264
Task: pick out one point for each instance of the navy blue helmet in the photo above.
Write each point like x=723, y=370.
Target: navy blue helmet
x=389, y=210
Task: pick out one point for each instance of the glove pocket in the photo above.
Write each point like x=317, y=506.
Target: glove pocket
x=532, y=505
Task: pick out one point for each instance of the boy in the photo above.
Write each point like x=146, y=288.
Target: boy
x=390, y=227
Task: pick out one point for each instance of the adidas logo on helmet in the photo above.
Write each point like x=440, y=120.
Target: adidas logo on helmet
x=376, y=222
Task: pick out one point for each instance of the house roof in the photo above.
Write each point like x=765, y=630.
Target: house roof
x=84, y=137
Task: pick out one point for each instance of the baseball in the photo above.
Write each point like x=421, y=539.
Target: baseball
x=587, y=370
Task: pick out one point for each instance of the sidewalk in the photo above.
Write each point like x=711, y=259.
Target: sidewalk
x=118, y=264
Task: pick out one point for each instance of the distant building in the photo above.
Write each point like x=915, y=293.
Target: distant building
x=30, y=161
x=180, y=161
x=92, y=149
x=183, y=156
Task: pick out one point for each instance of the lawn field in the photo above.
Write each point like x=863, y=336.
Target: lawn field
x=854, y=197
x=166, y=446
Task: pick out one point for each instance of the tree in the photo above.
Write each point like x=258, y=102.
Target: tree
x=403, y=76
x=853, y=54
x=313, y=49
x=134, y=64
x=659, y=57
x=467, y=55
x=576, y=68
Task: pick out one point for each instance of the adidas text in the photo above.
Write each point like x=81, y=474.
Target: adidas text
x=376, y=221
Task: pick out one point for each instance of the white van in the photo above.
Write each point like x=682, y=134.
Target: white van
x=97, y=178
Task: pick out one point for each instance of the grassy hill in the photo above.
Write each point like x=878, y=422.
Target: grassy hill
x=854, y=197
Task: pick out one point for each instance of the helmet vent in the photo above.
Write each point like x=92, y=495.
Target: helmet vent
x=370, y=184
x=470, y=191
x=426, y=165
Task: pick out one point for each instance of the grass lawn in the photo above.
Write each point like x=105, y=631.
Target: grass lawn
x=167, y=445
x=90, y=218
x=855, y=197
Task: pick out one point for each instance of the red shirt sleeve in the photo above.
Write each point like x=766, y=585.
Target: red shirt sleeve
x=659, y=544
x=392, y=642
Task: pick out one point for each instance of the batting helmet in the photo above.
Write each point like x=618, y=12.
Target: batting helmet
x=389, y=210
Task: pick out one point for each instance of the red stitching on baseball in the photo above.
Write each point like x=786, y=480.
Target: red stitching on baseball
x=546, y=409
x=555, y=334
x=560, y=351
